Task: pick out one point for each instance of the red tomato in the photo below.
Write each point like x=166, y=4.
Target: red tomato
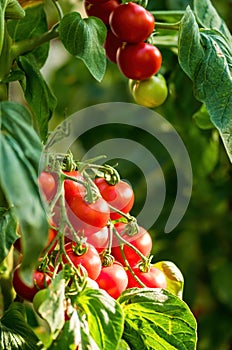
x=112, y=43
x=142, y=241
x=95, y=214
x=51, y=235
x=47, y=184
x=101, y=10
x=98, y=239
x=139, y=61
x=119, y=196
x=154, y=278
x=90, y=259
x=113, y=279
x=131, y=22
x=72, y=188
x=41, y=281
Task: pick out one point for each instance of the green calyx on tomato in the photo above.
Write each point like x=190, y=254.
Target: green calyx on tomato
x=151, y=92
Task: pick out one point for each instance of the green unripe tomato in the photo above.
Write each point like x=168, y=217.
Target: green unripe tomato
x=151, y=92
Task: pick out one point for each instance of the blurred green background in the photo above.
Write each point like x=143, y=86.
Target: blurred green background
x=201, y=245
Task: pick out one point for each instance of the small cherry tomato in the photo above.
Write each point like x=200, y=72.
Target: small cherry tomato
x=151, y=92
x=101, y=10
x=153, y=278
x=47, y=185
x=113, y=279
x=139, y=61
x=89, y=259
x=71, y=187
x=112, y=43
x=40, y=279
x=131, y=22
x=95, y=214
x=98, y=239
x=142, y=241
x=119, y=196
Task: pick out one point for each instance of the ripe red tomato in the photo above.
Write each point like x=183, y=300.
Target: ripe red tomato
x=139, y=61
x=154, y=278
x=113, y=279
x=89, y=260
x=151, y=92
x=41, y=281
x=119, y=196
x=98, y=239
x=95, y=214
x=131, y=22
x=47, y=184
x=72, y=188
x=52, y=233
x=142, y=241
x=101, y=10
x=112, y=43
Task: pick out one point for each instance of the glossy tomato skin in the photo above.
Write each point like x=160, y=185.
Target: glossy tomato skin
x=142, y=241
x=72, y=188
x=95, y=214
x=41, y=281
x=139, y=61
x=89, y=260
x=119, y=196
x=98, y=239
x=113, y=279
x=47, y=185
x=112, y=43
x=151, y=92
x=101, y=10
x=154, y=278
x=131, y=22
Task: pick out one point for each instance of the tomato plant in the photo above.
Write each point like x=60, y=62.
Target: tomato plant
x=120, y=196
x=84, y=256
x=139, y=61
x=141, y=240
x=101, y=10
x=151, y=92
x=113, y=279
x=186, y=47
x=153, y=277
x=131, y=22
x=40, y=281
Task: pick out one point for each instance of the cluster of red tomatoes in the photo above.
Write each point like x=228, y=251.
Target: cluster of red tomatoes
x=129, y=26
x=96, y=237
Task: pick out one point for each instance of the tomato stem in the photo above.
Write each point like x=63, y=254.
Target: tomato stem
x=124, y=241
x=167, y=26
x=27, y=45
x=129, y=267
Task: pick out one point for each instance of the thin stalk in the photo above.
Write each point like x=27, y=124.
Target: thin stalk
x=24, y=46
x=167, y=26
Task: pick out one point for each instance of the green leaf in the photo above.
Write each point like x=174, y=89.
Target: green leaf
x=202, y=119
x=75, y=333
x=14, y=10
x=206, y=58
x=104, y=317
x=37, y=93
x=208, y=17
x=175, y=279
x=84, y=39
x=3, y=4
x=20, y=155
x=191, y=53
x=33, y=24
x=123, y=345
x=15, y=334
x=52, y=308
x=8, y=231
x=157, y=320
